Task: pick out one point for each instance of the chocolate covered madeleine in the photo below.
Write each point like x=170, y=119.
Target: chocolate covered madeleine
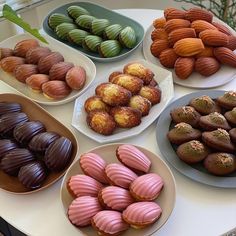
x=58, y=154
x=41, y=141
x=6, y=145
x=232, y=134
x=23, y=133
x=15, y=159
x=32, y=175
x=9, y=107
x=228, y=100
x=231, y=117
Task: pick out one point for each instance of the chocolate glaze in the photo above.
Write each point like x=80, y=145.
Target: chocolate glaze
x=6, y=145
x=40, y=142
x=8, y=107
x=15, y=159
x=23, y=133
x=58, y=154
x=32, y=175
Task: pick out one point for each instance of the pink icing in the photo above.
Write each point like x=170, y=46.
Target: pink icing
x=133, y=157
x=82, y=209
x=110, y=222
x=142, y=212
x=120, y=175
x=94, y=166
x=147, y=186
x=116, y=198
x=83, y=185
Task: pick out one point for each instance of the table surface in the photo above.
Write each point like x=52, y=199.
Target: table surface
x=199, y=209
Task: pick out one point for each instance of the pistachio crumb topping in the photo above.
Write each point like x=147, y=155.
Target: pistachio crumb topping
x=221, y=134
x=196, y=145
x=231, y=95
x=205, y=101
x=217, y=117
x=224, y=159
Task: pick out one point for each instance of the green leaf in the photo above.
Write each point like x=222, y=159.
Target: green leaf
x=11, y=15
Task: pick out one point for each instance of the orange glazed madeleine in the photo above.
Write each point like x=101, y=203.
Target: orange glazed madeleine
x=159, y=46
x=201, y=25
x=225, y=56
x=168, y=58
x=196, y=13
x=232, y=42
x=159, y=22
x=206, y=52
x=184, y=67
x=173, y=13
x=9, y=64
x=159, y=34
x=207, y=66
x=222, y=28
x=176, y=24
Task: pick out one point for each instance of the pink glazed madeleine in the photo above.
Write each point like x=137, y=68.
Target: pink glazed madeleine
x=142, y=214
x=93, y=165
x=109, y=223
x=119, y=175
x=133, y=158
x=146, y=187
x=83, y=185
x=82, y=209
x=115, y=198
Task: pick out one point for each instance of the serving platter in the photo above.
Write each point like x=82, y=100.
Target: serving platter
x=35, y=112
x=194, y=172
x=98, y=12
x=69, y=54
x=195, y=80
x=164, y=79
x=166, y=199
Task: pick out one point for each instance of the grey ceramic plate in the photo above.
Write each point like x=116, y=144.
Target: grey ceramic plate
x=98, y=12
x=194, y=172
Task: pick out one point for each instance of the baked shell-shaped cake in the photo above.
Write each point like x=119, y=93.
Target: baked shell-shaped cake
x=82, y=209
x=231, y=116
x=99, y=25
x=56, y=19
x=35, y=54
x=228, y=100
x=58, y=71
x=77, y=36
x=146, y=187
x=192, y=152
x=204, y=105
x=133, y=158
x=9, y=64
x=95, y=103
x=63, y=29
x=109, y=48
x=115, y=198
x=76, y=11
x=76, y=77
x=153, y=94
x=127, y=37
x=140, y=103
x=83, y=185
x=22, y=72
x=119, y=175
x=112, y=31
x=232, y=134
x=22, y=47
x=220, y=163
x=183, y=132
x=91, y=43
x=36, y=81
x=85, y=21
x=142, y=214
x=6, y=145
x=109, y=223
x=93, y=165
x=219, y=140
x=9, y=107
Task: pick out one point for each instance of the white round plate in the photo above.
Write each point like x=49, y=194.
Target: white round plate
x=223, y=76
x=166, y=199
x=164, y=79
x=70, y=55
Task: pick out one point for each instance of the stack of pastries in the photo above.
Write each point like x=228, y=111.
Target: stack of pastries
x=124, y=100
x=205, y=132
x=112, y=197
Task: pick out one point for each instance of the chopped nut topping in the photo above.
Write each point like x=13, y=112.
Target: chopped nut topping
x=224, y=159
x=196, y=145
x=221, y=134
x=217, y=117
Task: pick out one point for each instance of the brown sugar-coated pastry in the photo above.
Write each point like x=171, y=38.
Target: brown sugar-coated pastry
x=182, y=133
x=126, y=117
x=219, y=140
x=113, y=75
x=131, y=83
x=213, y=121
x=192, y=152
x=228, y=100
x=153, y=94
x=95, y=103
x=185, y=114
x=204, y=105
x=153, y=83
x=101, y=122
x=113, y=94
x=232, y=134
x=231, y=116
x=140, y=103
x=220, y=163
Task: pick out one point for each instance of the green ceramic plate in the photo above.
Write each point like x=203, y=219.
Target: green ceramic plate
x=99, y=12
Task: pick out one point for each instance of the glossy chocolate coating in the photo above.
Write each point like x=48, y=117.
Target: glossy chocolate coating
x=40, y=142
x=58, y=154
x=23, y=133
x=32, y=175
x=8, y=107
x=15, y=159
x=6, y=145
x=10, y=120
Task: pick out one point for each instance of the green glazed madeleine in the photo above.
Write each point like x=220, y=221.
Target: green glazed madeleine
x=112, y=31
x=56, y=19
x=76, y=11
x=99, y=25
x=109, y=48
x=77, y=36
x=91, y=43
x=127, y=37
x=63, y=29
x=85, y=21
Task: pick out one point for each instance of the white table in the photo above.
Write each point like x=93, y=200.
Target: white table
x=199, y=209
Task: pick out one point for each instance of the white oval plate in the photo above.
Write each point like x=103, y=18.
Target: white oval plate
x=223, y=76
x=166, y=199
x=164, y=79
x=70, y=55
